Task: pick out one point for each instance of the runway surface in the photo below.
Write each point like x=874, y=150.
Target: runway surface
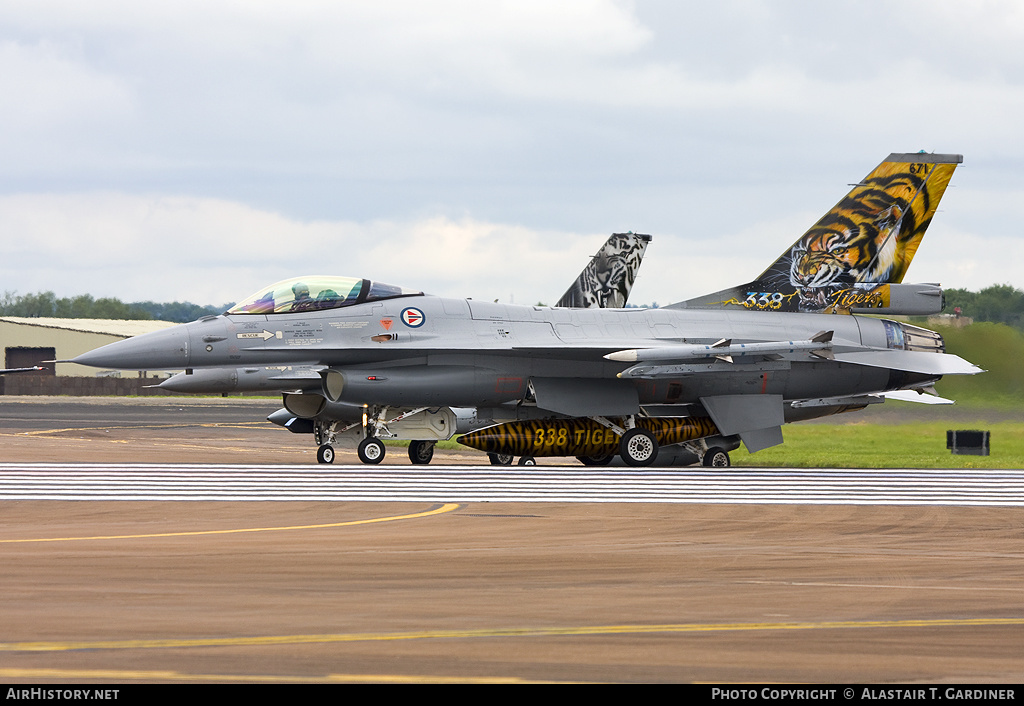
x=297, y=572
x=49, y=481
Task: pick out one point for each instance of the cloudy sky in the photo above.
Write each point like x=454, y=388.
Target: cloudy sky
x=199, y=150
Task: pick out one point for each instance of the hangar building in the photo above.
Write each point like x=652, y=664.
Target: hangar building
x=30, y=341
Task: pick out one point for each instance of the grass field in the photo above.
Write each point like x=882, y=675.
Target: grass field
x=997, y=349
x=896, y=443
x=879, y=444
x=873, y=445
x=866, y=445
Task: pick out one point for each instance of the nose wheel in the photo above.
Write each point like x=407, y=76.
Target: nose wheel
x=325, y=454
x=371, y=450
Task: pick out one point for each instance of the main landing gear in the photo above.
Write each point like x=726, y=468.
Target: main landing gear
x=715, y=458
x=638, y=447
x=420, y=452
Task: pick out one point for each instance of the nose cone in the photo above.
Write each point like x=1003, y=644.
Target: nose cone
x=158, y=350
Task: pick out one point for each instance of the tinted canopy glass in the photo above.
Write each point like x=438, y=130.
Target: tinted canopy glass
x=316, y=292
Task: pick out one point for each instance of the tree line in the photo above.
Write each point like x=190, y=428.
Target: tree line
x=1000, y=303
x=85, y=306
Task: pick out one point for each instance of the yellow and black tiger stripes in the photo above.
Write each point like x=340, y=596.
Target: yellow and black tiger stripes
x=579, y=437
x=864, y=242
x=871, y=235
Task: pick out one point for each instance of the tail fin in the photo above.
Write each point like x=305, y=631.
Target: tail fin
x=605, y=282
x=864, y=243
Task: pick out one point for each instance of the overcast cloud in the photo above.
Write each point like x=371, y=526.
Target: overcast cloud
x=199, y=150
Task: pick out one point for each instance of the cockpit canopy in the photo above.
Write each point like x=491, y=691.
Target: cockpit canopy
x=317, y=292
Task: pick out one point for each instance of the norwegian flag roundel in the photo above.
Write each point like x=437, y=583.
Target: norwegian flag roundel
x=413, y=317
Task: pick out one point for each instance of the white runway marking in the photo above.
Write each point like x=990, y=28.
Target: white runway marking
x=58, y=481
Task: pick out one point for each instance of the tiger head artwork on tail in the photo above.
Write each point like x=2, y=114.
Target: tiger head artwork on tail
x=863, y=244
x=606, y=281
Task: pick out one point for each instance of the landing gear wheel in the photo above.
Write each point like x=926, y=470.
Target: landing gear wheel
x=527, y=461
x=715, y=458
x=420, y=452
x=371, y=450
x=500, y=459
x=595, y=460
x=325, y=454
x=638, y=447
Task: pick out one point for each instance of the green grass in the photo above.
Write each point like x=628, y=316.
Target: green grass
x=867, y=445
x=864, y=445
x=996, y=348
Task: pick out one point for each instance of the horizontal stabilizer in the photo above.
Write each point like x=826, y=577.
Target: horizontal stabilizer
x=911, y=361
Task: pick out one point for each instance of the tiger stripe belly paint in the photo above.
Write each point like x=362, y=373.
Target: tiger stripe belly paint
x=579, y=437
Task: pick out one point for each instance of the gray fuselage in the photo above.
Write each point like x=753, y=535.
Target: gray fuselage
x=426, y=350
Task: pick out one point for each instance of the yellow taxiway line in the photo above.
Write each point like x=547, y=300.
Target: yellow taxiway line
x=110, y=675
x=447, y=507
x=588, y=630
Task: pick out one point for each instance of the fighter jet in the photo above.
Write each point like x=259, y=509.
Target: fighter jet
x=605, y=282
x=598, y=383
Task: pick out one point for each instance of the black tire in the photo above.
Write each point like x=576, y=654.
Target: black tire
x=500, y=459
x=371, y=450
x=527, y=461
x=325, y=454
x=595, y=460
x=638, y=447
x=420, y=452
x=715, y=458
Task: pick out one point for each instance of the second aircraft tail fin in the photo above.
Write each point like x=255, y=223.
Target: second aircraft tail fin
x=606, y=281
